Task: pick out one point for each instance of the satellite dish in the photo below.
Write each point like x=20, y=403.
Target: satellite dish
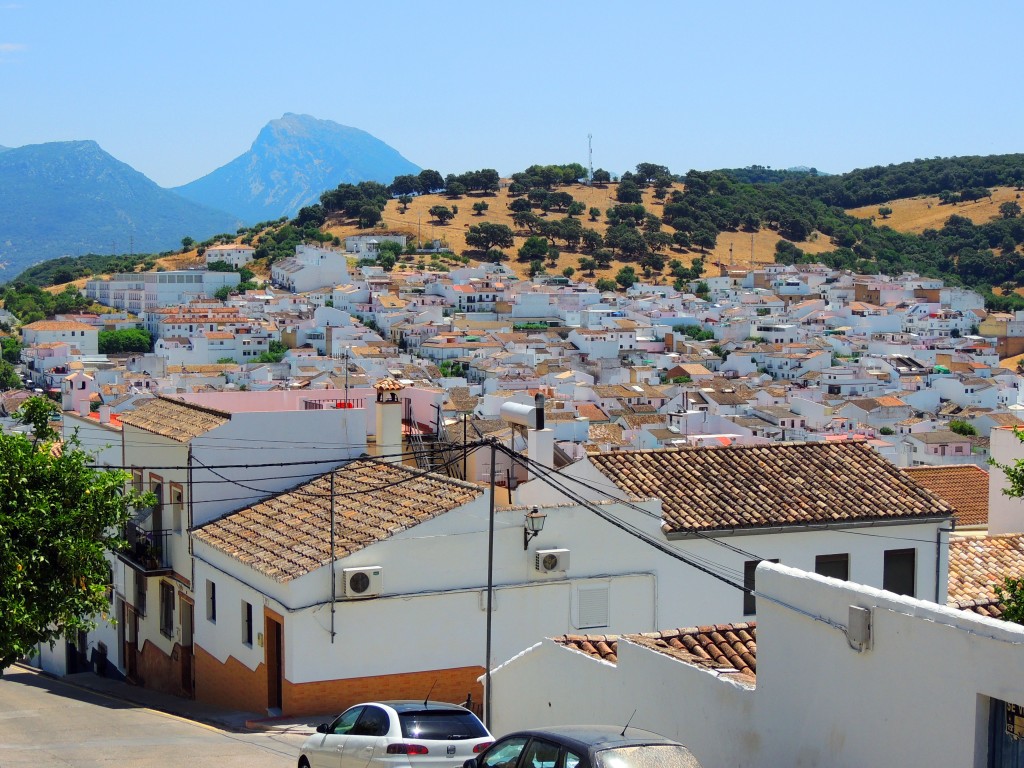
x=359, y=583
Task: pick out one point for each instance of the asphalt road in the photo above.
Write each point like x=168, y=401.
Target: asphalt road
x=44, y=721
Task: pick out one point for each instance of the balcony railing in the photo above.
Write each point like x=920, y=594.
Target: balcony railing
x=320, y=405
x=147, y=551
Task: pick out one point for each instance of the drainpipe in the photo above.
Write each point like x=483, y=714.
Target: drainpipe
x=938, y=551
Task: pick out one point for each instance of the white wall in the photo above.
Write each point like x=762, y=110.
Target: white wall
x=1005, y=514
x=918, y=696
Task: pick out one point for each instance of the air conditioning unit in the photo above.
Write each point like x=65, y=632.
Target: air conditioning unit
x=361, y=582
x=549, y=560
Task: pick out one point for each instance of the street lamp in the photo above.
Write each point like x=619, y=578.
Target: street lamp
x=533, y=525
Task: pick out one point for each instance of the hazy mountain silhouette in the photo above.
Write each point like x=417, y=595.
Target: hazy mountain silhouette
x=292, y=162
x=71, y=198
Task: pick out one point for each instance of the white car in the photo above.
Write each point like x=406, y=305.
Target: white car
x=397, y=733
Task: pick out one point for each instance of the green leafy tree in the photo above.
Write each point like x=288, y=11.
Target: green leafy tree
x=536, y=267
x=1011, y=597
x=404, y=200
x=8, y=376
x=125, y=341
x=369, y=215
x=489, y=235
x=430, y=181
x=11, y=349
x=601, y=176
x=569, y=272
x=962, y=428
x=187, y=243
x=1010, y=209
x=604, y=284
x=626, y=276
x=479, y=207
x=628, y=192
x=588, y=265
x=885, y=211
x=59, y=518
x=442, y=214
x=576, y=208
x=535, y=247
x=594, y=213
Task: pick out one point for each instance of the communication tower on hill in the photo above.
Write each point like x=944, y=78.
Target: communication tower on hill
x=590, y=158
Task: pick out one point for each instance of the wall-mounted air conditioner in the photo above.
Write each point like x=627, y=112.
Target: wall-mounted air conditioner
x=367, y=581
x=549, y=560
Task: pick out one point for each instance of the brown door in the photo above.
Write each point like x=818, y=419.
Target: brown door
x=131, y=635
x=187, y=674
x=275, y=664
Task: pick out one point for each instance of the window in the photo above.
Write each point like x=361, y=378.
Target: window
x=836, y=566
x=541, y=754
x=507, y=753
x=749, y=573
x=373, y=722
x=211, y=601
x=140, y=594
x=166, y=609
x=899, y=571
x=177, y=508
x=246, y=623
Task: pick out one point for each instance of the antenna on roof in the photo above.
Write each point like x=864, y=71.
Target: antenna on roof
x=627, y=723
x=425, y=700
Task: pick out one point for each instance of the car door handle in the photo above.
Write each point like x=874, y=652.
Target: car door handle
x=368, y=750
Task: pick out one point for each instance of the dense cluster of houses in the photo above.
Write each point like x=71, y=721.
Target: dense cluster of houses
x=789, y=457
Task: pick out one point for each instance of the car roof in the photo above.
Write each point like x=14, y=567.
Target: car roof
x=585, y=737
x=408, y=705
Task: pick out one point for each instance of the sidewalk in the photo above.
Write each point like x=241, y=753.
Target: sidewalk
x=300, y=725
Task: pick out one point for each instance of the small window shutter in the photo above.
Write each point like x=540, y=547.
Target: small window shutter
x=593, y=607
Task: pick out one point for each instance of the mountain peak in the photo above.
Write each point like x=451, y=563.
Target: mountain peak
x=293, y=160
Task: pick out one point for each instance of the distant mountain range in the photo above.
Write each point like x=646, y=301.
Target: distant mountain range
x=71, y=198
x=293, y=160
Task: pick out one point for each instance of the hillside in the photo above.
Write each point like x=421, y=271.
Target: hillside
x=290, y=163
x=916, y=214
x=417, y=222
x=71, y=198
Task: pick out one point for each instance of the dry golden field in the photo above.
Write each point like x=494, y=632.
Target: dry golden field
x=417, y=223
x=916, y=214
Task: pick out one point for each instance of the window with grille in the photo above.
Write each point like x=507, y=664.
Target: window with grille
x=166, y=609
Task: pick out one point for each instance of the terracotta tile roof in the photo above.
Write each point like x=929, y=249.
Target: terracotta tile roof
x=58, y=325
x=977, y=564
x=964, y=486
x=591, y=411
x=288, y=535
x=722, y=647
x=176, y=420
x=778, y=484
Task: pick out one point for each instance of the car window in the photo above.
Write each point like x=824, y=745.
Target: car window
x=504, y=754
x=441, y=724
x=346, y=720
x=571, y=760
x=648, y=756
x=540, y=754
x=373, y=722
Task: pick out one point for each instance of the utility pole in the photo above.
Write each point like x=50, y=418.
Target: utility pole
x=490, y=590
x=590, y=158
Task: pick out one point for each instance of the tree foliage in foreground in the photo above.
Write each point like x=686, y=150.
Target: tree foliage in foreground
x=58, y=519
x=1011, y=596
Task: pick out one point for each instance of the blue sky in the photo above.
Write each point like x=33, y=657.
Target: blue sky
x=178, y=89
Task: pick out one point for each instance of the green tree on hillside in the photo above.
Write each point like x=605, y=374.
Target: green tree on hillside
x=441, y=213
x=487, y=235
x=885, y=211
x=1010, y=209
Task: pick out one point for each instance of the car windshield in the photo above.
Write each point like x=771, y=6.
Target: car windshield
x=441, y=724
x=647, y=756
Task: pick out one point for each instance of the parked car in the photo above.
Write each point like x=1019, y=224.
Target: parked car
x=396, y=734
x=584, y=746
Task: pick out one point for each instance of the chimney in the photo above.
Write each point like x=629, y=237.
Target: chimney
x=540, y=445
x=104, y=414
x=389, y=420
